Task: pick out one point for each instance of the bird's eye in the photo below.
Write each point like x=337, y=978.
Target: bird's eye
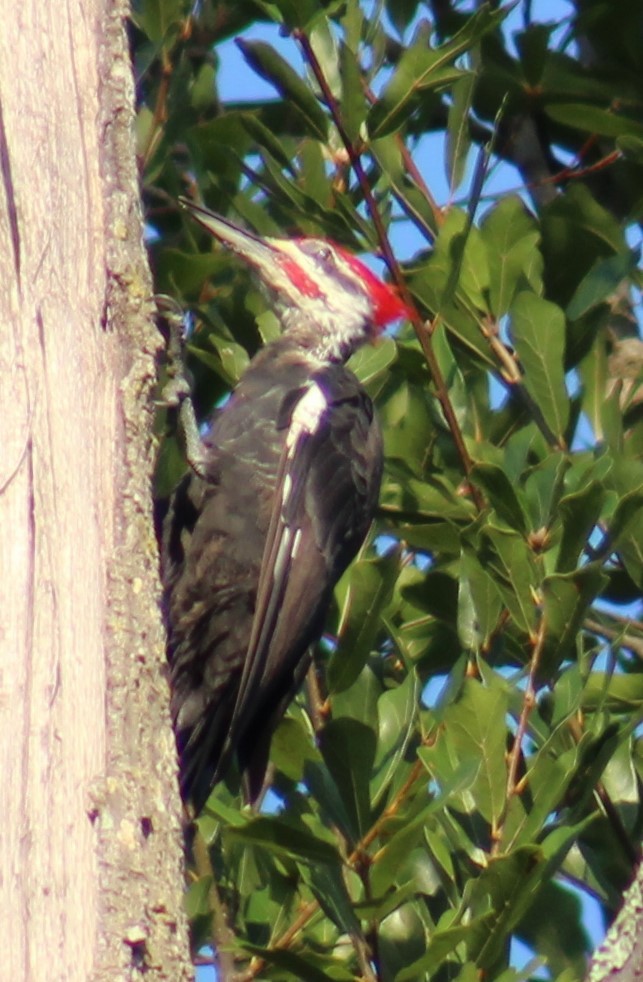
x=320, y=251
x=325, y=254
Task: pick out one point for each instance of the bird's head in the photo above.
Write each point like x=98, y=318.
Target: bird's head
x=327, y=298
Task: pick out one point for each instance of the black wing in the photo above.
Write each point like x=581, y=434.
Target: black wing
x=325, y=494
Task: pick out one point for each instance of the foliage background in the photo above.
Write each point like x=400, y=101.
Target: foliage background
x=468, y=747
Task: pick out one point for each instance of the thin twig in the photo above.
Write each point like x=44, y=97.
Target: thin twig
x=417, y=770
x=625, y=640
x=528, y=703
x=222, y=935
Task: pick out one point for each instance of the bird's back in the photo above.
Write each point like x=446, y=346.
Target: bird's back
x=234, y=668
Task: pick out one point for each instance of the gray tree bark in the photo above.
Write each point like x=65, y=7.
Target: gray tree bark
x=90, y=849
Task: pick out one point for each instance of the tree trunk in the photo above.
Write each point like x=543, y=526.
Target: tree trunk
x=90, y=852
x=620, y=957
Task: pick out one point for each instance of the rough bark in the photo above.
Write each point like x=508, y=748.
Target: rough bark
x=620, y=957
x=90, y=855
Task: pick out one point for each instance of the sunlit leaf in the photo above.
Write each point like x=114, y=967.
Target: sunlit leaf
x=263, y=58
x=538, y=332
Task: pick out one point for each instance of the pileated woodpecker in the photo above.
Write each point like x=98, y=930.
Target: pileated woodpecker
x=259, y=533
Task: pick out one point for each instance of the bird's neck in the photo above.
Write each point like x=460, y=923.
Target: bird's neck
x=324, y=340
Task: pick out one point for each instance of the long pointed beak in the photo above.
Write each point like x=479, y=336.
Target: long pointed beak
x=260, y=253
x=272, y=259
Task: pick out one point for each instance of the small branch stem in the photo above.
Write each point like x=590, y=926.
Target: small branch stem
x=419, y=325
x=513, y=786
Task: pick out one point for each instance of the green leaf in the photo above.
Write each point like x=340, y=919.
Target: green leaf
x=296, y=14
x=579, y=513
x=458, y=139
x=601, y=282
x=291, y=747
x=549, y=774
x=500, y=492
x=397, y=710
x=553, y=926
x=479, y=603
x=388, y=156
x=627, y=511
x=371, y=363
x=566, y=598
x=444, y=940
x=631, y=147
x=591, y=119
x=507, y=558
x=422, y=69
x=512, y=240
x=616, y=693
x=266, y=62
x=365, y=591
x=475, y=726
x=506, y=888
x=576, y=231
x=543, y=489
x=159, y=19
x=233, y=358
x=328, y=886
x=401, y=939
x=197, y=899
x=538, y=332
x=533, y=47
x=292, y=967
x=401, y=13
x=263, y=136
x=283, y=839
x=348, y=748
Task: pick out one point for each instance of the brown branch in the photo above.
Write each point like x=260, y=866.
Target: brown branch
x=514, y=786
x=419, y=325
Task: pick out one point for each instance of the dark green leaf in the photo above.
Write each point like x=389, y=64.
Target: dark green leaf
x=159, y=18
x=366, y=592
x=328, y=886
x=458, y=140
x=348, y=748
x=283, y=839
x=263, y=136
x=295, y=14
x=423, y=69
x=266, y=62
x=499, y=491
x=579, y=513
x=566, y=598
x=475, y=726
x=601, y=282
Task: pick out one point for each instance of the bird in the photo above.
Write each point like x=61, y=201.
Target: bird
x=278, y=504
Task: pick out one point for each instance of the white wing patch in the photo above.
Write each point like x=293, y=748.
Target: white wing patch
x=307, y=415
